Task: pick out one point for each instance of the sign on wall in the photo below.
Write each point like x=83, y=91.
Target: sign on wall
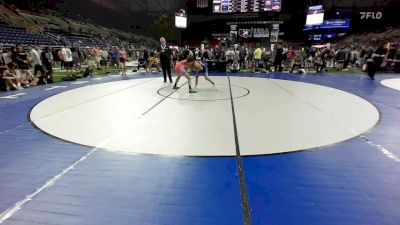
x=261, y=32
x=258, y=32
x=371, y=15
x=246, y=33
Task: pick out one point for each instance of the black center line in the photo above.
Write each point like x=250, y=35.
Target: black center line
x=239, y=162
x=206, y=100
x=165, y=97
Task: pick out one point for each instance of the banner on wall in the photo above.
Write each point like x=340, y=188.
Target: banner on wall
x=254, y=32
x=261, y=32
x=331, y=24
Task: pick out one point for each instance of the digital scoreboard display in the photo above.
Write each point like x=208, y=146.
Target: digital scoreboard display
x=246, y=6
x=315, y=15
x=181, y=19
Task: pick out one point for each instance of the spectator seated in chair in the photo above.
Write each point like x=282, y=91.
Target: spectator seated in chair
x=141, y=62
x=154, y=62
x=234, y=67
x=251, y=66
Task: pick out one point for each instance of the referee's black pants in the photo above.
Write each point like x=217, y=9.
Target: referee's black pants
x=166, y=67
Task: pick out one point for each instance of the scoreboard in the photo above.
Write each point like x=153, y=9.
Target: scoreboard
x=246, y=6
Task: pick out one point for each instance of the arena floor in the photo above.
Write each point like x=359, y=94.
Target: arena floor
x=273, y=149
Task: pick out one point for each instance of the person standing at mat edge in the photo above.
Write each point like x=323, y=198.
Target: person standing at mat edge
x=165, y=58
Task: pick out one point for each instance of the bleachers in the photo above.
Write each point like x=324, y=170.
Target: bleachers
x=12, y=35
x=389, y=34
x=27, y=27
x=71, y=38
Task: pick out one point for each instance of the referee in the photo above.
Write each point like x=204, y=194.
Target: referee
x=165, y=58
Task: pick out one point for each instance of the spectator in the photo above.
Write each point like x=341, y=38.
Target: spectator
x=354, y=57
x=242, y=57
x=297, y=62
x=103, y=60
x=251, y=64
x=230, y=56
x=340, y=58
x=234, y=67
x=326, y=55
x=47, y=62
x=237, y=58
x=114, y=57
x=186, y=53
x=37, y=63
x=142, y=61
x=1, y=56
x=10, y=79
x=24, y=76
x=197, y=54
x=91, y=62
x=379, y=56
x=278, y=59
x=122, y=61
x=257, y=56
x=7, y=58
x=284, y=58
x=217, y=53
x=347, y=53
x=98, y=56
x=291, y=54
x=205, y=55
x=392, y=51
x=75, y=59
x=20, y=58
x=80, y=57
x=174, y=56
x=391, y=56
x=146, y=56
x=318, y=63
x=154, y=61
x=312, y=52
x=60, y=57
x=308, y=55
x=266, y=57
x=68, y=61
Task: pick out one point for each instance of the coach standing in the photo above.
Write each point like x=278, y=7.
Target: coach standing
x=165, y=58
